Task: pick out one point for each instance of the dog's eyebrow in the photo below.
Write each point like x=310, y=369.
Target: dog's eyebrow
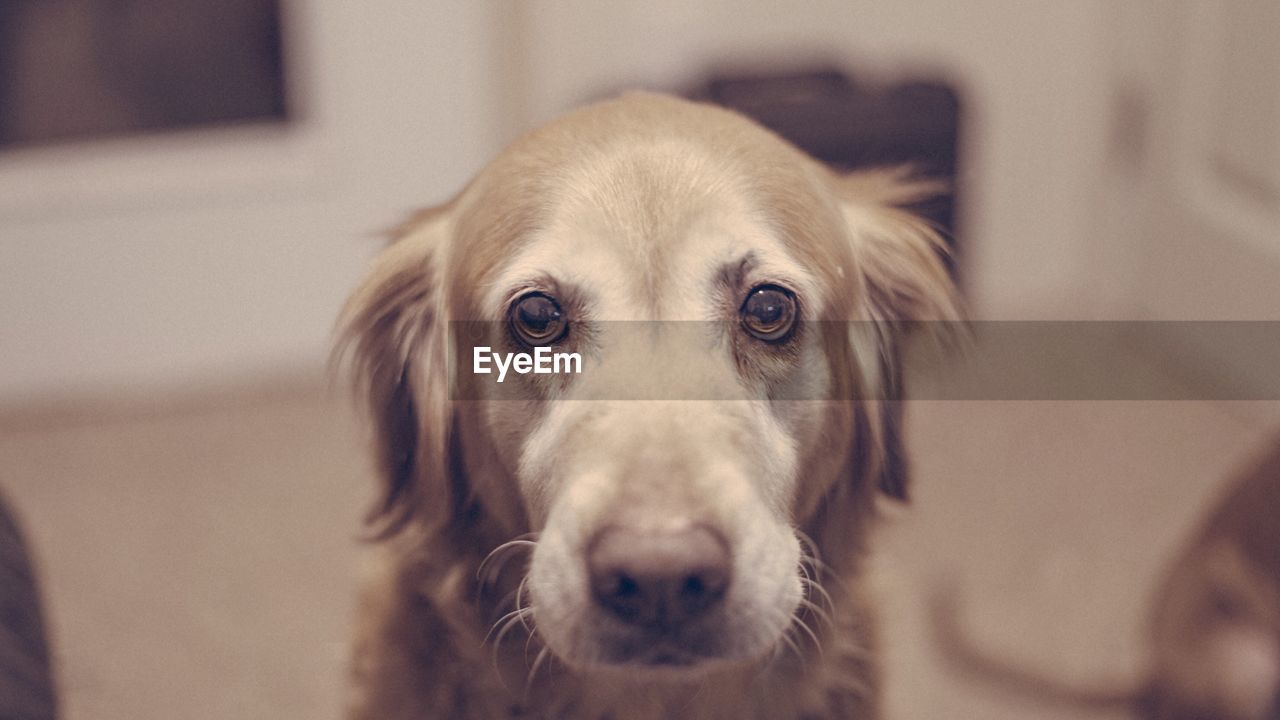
x=544, y=282
x=570, y=296
x=733, y=275
x=738, y=276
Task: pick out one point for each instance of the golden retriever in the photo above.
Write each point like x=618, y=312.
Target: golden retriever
x=677, y=530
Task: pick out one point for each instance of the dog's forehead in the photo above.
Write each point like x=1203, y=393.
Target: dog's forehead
x=644, y=231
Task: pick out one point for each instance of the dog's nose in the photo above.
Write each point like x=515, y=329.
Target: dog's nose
x=659, y=580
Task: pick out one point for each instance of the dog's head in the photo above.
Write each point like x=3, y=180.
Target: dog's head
x=730, y=300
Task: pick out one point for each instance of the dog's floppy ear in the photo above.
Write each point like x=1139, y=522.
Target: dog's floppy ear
x=393, y=336
x=905, y=284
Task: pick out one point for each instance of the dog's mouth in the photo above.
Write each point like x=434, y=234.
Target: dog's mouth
x=678, y=601
x=660, y=652
x=683, y=649
x=661, y=655
x=670, y=658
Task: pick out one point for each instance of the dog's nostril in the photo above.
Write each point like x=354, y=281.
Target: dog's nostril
x=701, y=591
x=707, y=585
x=694, y=587
x=626, y=587
x=658, y=580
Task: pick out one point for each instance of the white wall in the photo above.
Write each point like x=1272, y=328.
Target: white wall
x=228, y=255
x=124, y=265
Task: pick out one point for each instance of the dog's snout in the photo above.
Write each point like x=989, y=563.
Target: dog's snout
x=659, y=580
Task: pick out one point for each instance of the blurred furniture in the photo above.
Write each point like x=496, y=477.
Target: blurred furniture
x=849, y=125
x=26, y=679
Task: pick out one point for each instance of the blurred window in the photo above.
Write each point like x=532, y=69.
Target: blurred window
x=83, y=69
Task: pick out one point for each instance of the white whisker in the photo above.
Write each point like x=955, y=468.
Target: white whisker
x=533, y=670
x=790, y=642
x=491, y=566
x=520, y=603
x=503, y=624
x=797, y=622
x=812, y=586
x=818, y=612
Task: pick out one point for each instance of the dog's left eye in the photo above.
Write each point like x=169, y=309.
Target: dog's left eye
x=769, y=312
x=536, y=319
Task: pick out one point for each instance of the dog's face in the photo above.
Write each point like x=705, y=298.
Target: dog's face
x=664, y=516
x=706, y=273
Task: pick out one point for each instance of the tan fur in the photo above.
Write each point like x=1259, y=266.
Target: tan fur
x=645, y=208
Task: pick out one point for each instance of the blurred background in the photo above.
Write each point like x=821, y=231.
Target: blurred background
x=188, y=191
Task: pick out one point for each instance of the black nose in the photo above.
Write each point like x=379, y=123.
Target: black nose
x=658, y=580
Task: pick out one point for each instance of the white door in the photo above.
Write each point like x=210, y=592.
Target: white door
x=1194, y=175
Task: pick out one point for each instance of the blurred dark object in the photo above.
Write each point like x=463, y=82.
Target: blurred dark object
x=848, y=126
x=26, y=679
x=78, y=69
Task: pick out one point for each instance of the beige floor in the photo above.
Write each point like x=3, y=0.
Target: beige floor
x=199, y=564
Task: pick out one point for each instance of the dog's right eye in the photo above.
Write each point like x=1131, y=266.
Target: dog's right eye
x=769, y=313
x=536, y=319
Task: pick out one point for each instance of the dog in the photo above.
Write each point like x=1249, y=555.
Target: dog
x=1214, y=639
x=678, y=530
